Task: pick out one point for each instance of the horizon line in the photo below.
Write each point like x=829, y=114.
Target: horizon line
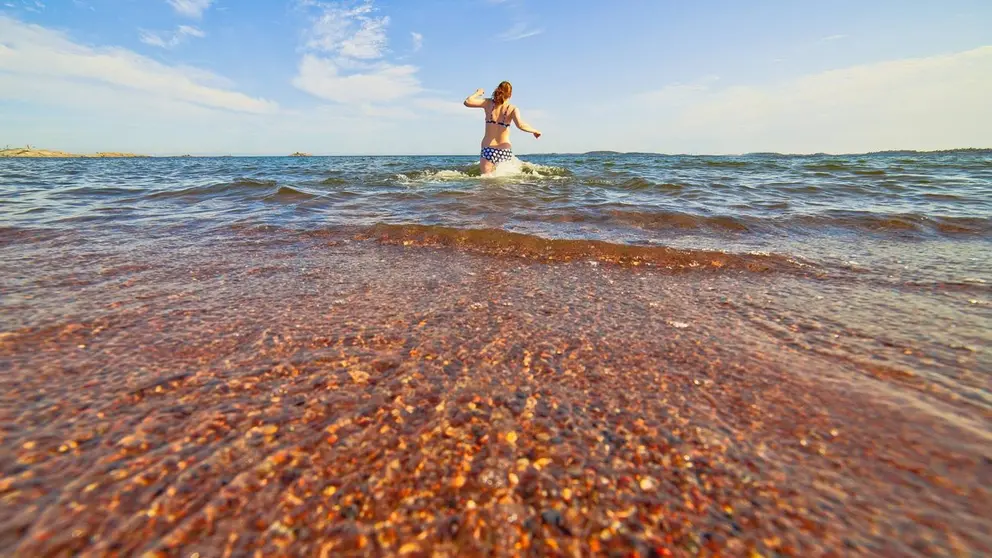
x=539, y=154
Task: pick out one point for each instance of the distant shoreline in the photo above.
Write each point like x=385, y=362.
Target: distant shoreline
x=32, y=152
x=37, y=153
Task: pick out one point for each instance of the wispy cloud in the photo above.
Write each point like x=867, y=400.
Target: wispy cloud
x=832, y=38
x=418, y=41
x=519, y=31
x=190, y=8
x=34, y=56
x=934, y=102
x=443, y=106
x=523, y=26
x=170, y=39
x=35, y=6
x=347, y=30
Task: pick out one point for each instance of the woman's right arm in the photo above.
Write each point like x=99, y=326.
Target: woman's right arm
x=476, y=100
x=523, y=125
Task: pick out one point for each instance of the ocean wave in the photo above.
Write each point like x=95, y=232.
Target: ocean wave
x=287, y=193
x=827, y=166
x=898, y=222
x=238, y=186
x=660, y=220
x=499, y=242
x=830, y=167
x=731, y=164
x=667, y=220
x=95, y=191
x=759, y=216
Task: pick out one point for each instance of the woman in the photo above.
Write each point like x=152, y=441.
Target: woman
x=496, y=146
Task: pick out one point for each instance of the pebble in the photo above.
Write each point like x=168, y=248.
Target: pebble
x=305, y=428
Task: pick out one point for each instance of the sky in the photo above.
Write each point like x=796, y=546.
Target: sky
x=271, y=77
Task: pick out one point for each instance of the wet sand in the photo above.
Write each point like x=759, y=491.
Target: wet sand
x=329, y=397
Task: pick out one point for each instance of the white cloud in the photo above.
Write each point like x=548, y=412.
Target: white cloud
x=191, y=31
x=523, y=28
x=418, y=41
x=369, y=42
x=347, y=31
x=382, y=82
x=936, y=102
x=156, y=39
x=170, y=40
x=190, y=8
x=34, y=53
x=444, y=106
x=345, y=47
x=35, y=6
x=519, y=31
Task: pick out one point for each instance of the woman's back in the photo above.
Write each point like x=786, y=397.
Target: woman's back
x=498, y=119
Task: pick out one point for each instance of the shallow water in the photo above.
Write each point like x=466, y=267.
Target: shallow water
x=908, y=234
x=593, y=353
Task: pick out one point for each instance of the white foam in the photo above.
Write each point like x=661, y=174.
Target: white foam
x=428, y=177
x=514, y=168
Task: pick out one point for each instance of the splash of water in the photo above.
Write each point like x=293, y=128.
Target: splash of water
x=513, y=169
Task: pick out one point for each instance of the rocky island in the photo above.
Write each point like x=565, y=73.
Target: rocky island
x=39, y=153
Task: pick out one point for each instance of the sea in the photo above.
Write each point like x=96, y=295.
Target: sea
x=817, y=326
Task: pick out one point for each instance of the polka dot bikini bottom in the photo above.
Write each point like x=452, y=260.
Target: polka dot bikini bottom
x=495, y=155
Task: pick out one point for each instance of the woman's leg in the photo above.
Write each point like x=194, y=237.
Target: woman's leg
x=486, y=166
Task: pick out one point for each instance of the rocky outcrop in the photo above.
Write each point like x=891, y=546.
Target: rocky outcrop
x=39, y=153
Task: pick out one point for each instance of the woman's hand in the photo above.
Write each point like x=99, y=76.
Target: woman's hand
x=537, y=135
x=479, y=92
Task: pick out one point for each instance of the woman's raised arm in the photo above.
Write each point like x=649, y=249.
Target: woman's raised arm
x=476, y=100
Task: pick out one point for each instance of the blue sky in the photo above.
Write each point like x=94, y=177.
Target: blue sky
x=388, y=76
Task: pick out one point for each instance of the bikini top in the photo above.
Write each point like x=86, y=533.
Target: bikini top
x=503, y=124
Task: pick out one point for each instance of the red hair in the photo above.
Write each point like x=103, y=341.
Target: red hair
x=503, y=92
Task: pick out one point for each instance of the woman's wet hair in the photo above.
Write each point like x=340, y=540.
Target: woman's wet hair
x=503, y=92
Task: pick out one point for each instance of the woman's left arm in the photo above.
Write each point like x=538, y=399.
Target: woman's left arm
x=523, y=125
x=476, y=100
